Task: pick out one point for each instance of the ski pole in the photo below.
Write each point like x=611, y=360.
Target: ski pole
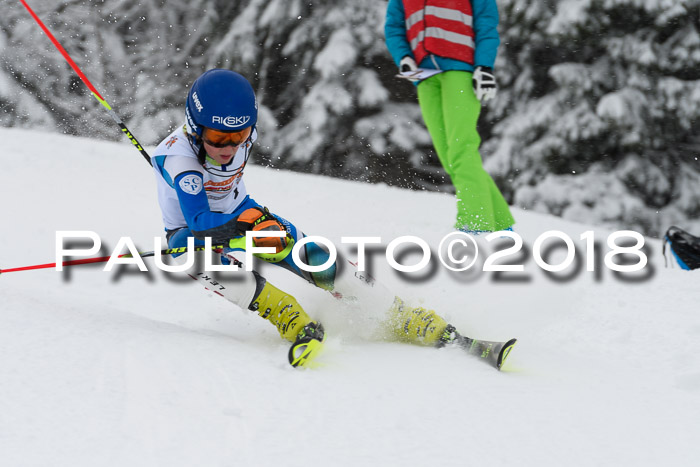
x=171, y=251
x=87, y=83
x=104, y=259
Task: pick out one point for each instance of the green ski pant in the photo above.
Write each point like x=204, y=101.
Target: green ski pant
x=450, y=111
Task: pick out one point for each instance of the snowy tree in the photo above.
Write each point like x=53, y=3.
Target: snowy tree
x=320, y=69
x=138, y=54
x=598, y=120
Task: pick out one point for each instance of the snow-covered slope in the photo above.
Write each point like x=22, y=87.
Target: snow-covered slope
x=140, y=369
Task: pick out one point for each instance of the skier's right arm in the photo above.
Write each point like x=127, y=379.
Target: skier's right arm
x=395, y=32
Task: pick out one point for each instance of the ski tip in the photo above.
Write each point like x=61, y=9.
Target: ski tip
x=505, y=351
x=304, y=351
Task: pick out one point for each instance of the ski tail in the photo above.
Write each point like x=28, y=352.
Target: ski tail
x=493, y=353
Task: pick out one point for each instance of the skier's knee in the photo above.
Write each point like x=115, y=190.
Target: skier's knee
x=314, y=255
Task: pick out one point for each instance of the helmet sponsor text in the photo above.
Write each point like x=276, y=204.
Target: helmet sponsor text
x=230, y=121
x=190, y=120
x=197, y=104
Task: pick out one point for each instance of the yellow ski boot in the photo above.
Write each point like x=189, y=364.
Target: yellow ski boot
x=290, y=319
x=426, y=327
x=415, y=325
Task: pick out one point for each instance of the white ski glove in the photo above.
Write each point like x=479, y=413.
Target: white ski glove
x=407, y=64
x=484, y=83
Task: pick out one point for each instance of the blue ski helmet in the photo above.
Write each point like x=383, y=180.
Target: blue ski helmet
x=222, y=100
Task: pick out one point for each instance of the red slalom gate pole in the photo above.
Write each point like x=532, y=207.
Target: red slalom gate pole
x=87, y=83
x=104, y=259
x=74, y=262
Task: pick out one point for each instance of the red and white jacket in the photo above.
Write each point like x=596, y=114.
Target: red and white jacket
x=440, y=27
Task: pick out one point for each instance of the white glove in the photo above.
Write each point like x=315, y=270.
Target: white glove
x=407, y=64
x=484, y=83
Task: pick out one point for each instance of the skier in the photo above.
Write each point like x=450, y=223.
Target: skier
x=459, y=37
x=199, y=170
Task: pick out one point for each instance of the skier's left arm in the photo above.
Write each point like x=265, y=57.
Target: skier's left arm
x=195, y=207
x=185, y=175
x=485, y=14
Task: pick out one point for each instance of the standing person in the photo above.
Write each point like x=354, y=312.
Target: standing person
x=199, y=171
x=460, y=38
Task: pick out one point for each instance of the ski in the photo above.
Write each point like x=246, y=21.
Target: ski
x=303, y=352
x=493, y=353
x=308, y=345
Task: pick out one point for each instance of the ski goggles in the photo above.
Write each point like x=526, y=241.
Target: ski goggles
x=222, y=139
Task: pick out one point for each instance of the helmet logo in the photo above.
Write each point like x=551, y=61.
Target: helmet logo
x=231, y=122
x=190, y=120
x=191, y=184
x=197, y=104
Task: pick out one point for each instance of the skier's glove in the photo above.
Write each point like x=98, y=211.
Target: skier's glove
x=407, y=64
x=257, y=219
x=484, y=83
